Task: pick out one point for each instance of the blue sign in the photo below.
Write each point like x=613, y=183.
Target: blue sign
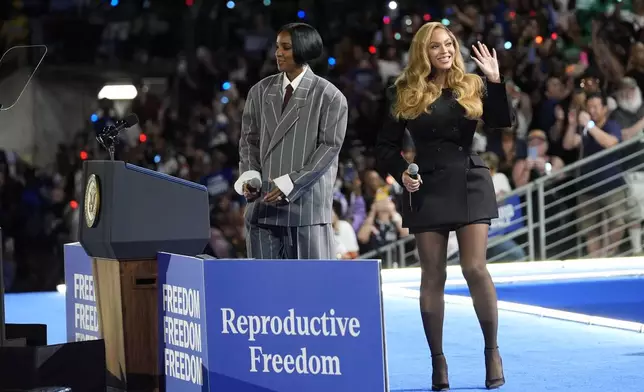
x=182, y=323
x=271, y=325
x=80, y=298
x=510, y=217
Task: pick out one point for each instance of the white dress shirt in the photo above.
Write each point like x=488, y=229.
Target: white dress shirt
x=284, y=182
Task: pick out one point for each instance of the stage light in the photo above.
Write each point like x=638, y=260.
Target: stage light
x=533, y=13
x=224, y=100
x=143, y=138
x=157, y=158
x=61, y=288
x=73, y=204
x=554, y=36
x=445, y=21
x=83, y=155
x=190, y=3
x=386, y=20
x=331, y=61
x=397, y=36
x=114, y=3
x=301, y=14
x=117, y=92
x=230, y=5
x=393, y=5
x=93, y=117
x=507, y=45
x=538, y=39
x=427, y=17
x=372, y=49
x=267, y=2
x=225, y=86
x=512, y=14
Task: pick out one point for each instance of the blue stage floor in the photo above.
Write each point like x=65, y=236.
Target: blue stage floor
x=539, y=353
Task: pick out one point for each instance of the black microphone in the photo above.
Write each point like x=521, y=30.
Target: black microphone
x=413, y=171
x=113, y=130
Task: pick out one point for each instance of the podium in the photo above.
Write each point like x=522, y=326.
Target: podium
x=129, y=214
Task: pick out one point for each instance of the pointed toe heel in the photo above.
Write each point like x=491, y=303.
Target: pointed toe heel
x=490, y=382
x=440, y=380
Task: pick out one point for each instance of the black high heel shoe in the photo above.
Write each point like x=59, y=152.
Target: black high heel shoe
x=439, y=386
x=489, y=358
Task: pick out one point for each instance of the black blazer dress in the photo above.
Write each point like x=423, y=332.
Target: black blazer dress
x=457, y=188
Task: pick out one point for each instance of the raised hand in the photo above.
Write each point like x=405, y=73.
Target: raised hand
x=487, y=62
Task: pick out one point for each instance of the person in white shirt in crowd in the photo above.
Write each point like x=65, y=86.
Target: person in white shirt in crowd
x=345, y=236
x=629, y=114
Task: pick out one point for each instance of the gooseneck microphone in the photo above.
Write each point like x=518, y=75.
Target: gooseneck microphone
x=113, y=130
x=108, y=136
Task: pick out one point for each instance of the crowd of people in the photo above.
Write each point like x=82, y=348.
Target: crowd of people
x=564, y=65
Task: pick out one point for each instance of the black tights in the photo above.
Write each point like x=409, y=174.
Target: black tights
x=432, y=249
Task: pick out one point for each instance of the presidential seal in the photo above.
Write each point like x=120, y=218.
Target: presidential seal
x=92, y=200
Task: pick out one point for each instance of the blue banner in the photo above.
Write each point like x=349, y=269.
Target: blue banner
x=182, y=323
x=271, y=325
x=292, y=326
x=510, y=217
x=80, y=298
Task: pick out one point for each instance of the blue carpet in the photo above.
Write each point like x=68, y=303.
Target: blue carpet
x=539, y=354
x=620, y=298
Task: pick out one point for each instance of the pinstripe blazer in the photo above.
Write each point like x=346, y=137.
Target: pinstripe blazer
x=304, y=142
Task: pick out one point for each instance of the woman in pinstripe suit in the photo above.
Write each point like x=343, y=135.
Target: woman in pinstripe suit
x=293, y=127
x=440, y=105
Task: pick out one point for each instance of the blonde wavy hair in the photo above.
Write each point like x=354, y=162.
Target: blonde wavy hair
x=415, y=92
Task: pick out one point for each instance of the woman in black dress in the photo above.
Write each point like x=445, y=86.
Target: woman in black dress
x=440, y=105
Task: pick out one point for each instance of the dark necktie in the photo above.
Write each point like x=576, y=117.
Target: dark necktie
x=287, y=96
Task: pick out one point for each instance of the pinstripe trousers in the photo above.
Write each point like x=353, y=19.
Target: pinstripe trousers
x=297, y=242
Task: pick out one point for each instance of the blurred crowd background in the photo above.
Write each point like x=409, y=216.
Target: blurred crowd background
x=192, y=63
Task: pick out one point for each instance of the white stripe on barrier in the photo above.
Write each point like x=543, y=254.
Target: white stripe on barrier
x=522, y=270
x=527, y=309
x=544, y=277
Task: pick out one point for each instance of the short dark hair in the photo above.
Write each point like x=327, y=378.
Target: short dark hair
x=601, y=96
x=307, y=43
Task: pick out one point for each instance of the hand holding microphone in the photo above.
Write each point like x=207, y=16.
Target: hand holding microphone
x=411, y=179
x=252, y=189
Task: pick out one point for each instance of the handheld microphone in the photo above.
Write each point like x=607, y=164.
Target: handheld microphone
x=413, y=171
x=254, y=183
x=413, y=174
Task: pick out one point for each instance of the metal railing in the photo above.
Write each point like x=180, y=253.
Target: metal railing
x=549, y=218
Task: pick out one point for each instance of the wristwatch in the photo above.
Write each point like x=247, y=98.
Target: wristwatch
x=589, y=125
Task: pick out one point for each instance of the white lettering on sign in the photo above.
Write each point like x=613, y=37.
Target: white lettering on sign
x=84, y=287
x=183, y=366
x=327, y=325
x=182, y=332
x=86, y=320
x=302, y=363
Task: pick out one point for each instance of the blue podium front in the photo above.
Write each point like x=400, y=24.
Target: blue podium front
x=271, y=325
